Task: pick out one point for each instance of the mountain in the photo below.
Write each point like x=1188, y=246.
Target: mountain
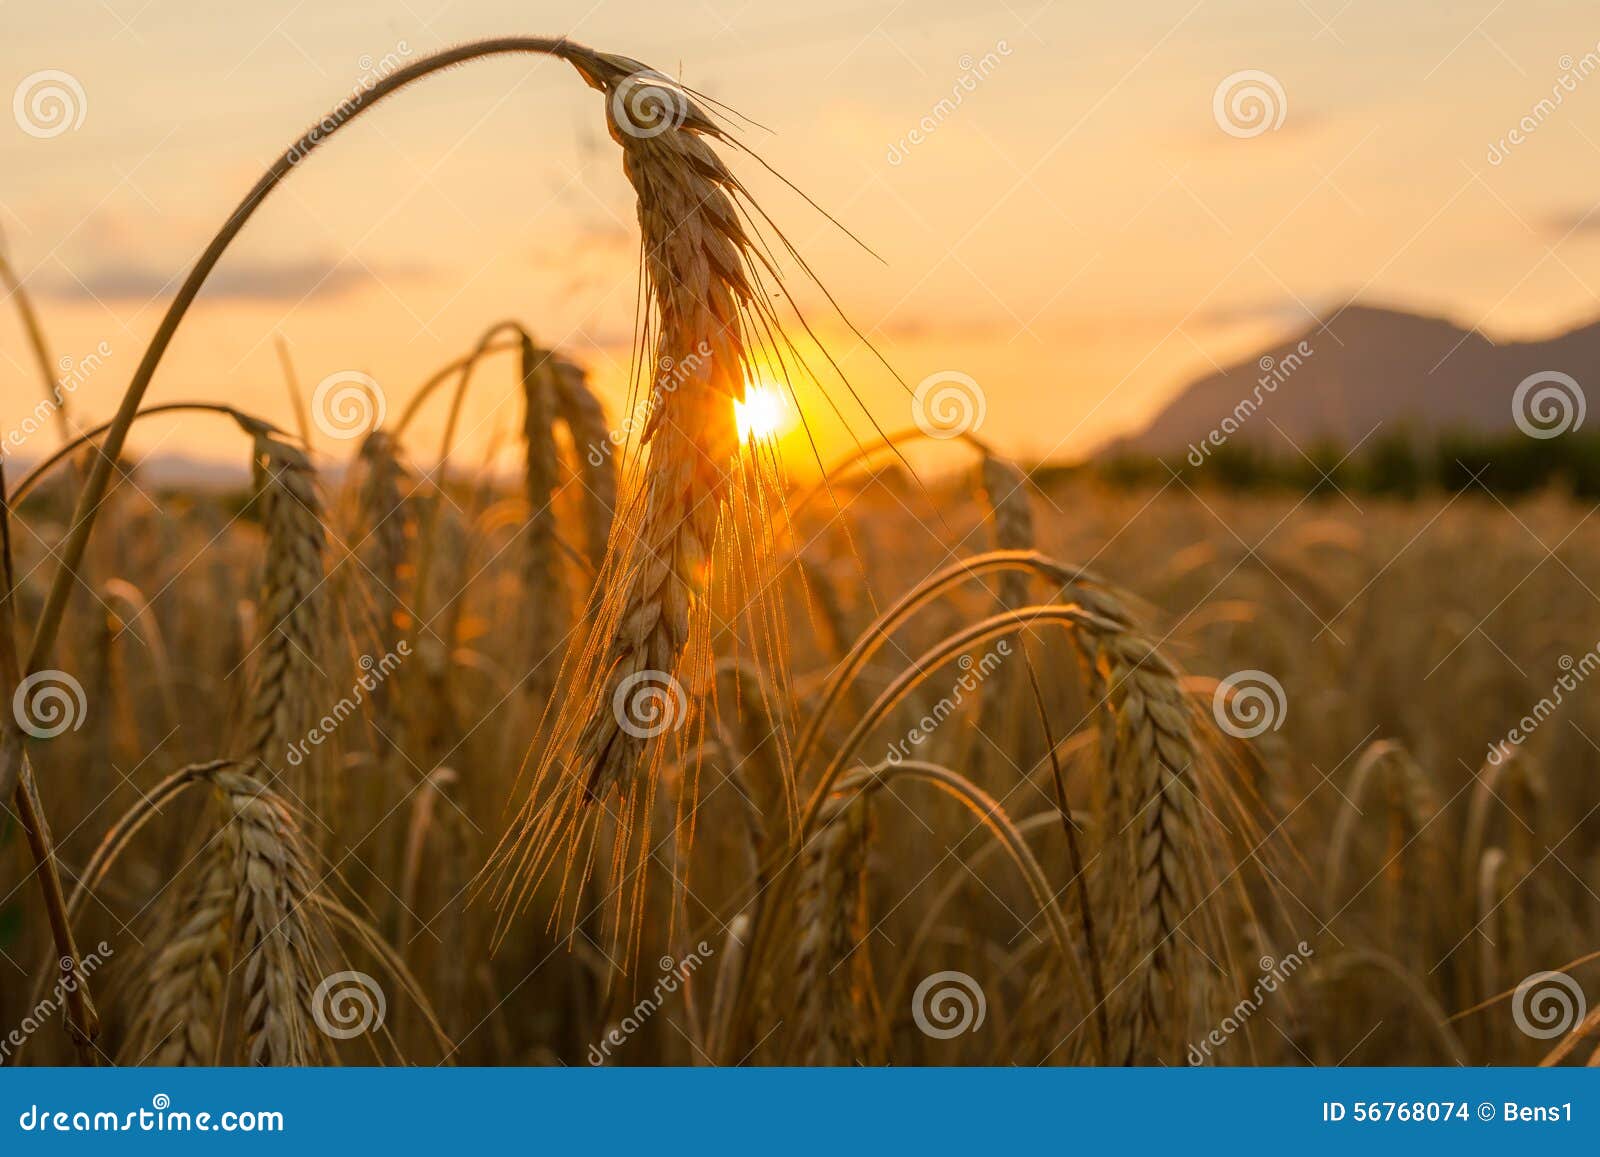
x=1366, y=368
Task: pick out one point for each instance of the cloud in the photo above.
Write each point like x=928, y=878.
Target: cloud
x=1282, y=311
x=234, y=280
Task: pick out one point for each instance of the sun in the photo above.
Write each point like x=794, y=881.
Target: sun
x=764, y=413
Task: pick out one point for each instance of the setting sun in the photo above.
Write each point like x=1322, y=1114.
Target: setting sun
x=764, y=413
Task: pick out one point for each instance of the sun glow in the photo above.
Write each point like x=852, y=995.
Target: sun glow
x=765, y=412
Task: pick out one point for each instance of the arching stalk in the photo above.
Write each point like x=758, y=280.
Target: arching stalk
x=249, y=423
x=876, y=635
x=94, y=487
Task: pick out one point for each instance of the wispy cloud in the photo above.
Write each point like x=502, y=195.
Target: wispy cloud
x=313, y=278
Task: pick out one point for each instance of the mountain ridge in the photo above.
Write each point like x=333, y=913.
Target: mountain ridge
x=1368, y=367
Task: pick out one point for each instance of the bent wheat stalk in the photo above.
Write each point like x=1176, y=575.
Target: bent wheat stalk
x=94, y=488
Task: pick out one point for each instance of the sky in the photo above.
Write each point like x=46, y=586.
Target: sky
x=1056, y=202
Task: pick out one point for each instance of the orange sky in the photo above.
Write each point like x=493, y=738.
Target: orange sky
x=1079, y=233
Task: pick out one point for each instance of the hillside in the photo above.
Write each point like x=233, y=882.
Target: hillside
x=1366, y=368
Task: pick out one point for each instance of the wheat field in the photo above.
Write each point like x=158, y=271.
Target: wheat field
x=652, y=753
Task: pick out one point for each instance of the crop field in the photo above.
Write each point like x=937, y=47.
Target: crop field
x=674, y=746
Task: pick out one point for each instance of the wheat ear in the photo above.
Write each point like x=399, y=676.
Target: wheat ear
x=832, y=966
x=188, y=978
x=699, y=272
x=585, y=420
x=1154, y=764
x=272, y=914
x=542, y=588
x=695, y=270
x=1006, y=492
x=1005, y=489
x=388, y=528
x=291, y=615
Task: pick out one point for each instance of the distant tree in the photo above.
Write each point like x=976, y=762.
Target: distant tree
x=1392, y=465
